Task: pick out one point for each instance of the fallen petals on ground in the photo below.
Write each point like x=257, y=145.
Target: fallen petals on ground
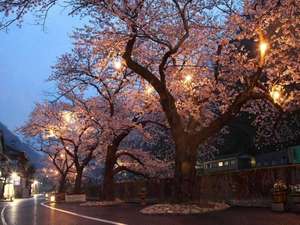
x=183, y=208
x=101, y=203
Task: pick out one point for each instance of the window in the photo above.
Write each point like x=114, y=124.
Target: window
x=226, y=163
x=220, y=164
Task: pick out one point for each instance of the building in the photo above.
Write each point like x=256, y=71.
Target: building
x=15, y=172
x=234, y=162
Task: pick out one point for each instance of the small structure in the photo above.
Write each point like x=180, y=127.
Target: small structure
x=279, y=196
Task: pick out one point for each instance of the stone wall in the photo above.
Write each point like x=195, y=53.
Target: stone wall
x=246, y=184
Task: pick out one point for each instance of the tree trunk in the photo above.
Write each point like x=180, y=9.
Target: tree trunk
x=62, y=183
x=78, y=180
x=185, y=150
x=108, y=182
x=185, y=169
x=2, y=189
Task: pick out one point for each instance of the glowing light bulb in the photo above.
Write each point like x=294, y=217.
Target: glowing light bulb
x=117, y=64
x=188, y=78
x=276, y=93
x=68, y=117
x=263, y=47
x=52, y=198
x=149, y=90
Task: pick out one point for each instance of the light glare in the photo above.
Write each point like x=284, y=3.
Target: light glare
x=188, y=78
x=149, y=90
x=263, y=47
x=276, y=93
x=52, y=198
x=117, y=64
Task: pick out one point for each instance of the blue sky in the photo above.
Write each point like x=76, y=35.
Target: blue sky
x=26, y=57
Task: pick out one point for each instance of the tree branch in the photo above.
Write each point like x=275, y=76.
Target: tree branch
x=119, y=154
x=124, y=168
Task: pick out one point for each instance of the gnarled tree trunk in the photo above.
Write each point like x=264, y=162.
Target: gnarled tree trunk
x=185, y=169
x=78, y=181
x=108, y=182
x=62, y=183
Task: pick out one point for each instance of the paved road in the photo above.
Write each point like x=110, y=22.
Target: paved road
x=31, y=212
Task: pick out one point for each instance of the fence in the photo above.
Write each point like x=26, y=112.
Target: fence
x=245, y=184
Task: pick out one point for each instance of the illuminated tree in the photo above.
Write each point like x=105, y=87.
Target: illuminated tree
x=197, y=68
x=191, y=58
x=116, y=106
x=61, y=163
x=72, y=139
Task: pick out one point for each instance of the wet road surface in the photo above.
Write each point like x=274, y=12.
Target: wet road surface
x=31, y=212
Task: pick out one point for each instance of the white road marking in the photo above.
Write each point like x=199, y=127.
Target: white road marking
x=82, y=216
x=2, y=216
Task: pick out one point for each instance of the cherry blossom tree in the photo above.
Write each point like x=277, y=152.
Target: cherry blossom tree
x=192, y=57
x=72, y=138
x=196, y=67
x=117, y=107
x=60, y=165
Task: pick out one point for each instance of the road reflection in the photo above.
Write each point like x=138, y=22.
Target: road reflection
x=14, y=208
x=52, y=214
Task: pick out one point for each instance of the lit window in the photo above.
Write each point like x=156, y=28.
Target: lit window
x=220, y=164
